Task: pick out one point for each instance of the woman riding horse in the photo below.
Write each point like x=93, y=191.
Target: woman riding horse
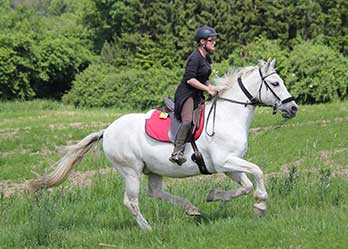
x=189, y=94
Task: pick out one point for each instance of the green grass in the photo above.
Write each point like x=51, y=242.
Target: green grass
x=302, y=214
x=304, y=160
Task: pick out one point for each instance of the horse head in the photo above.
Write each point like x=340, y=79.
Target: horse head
x=261, y=85
x=272, y=90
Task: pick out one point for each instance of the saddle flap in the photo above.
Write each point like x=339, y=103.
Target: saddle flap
x=163, y=127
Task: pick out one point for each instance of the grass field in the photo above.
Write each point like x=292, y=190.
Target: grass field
x=305, y=161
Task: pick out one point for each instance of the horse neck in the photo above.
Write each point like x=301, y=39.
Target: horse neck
x=234, y=113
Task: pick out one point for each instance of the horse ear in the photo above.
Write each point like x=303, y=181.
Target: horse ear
x=272, y=64
x=268, y=65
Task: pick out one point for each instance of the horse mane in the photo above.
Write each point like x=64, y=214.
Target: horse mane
x=231, y=76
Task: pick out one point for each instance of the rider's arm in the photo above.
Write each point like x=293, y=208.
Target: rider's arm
x=191, y=73
x=196, y=84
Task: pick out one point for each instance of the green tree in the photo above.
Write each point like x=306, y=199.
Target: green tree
x=38, y=59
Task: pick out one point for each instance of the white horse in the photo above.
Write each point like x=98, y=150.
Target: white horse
x=133, y=153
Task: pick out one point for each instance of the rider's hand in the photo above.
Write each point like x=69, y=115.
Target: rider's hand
x=212, y=90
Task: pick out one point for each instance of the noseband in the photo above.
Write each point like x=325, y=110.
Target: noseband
x=253, y=100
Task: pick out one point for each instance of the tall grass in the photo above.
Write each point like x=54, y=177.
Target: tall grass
x=304, y=160
x=302, y=213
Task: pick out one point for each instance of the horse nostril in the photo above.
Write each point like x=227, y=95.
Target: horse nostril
x=294, y=108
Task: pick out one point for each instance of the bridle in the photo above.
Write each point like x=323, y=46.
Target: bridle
x=253, y=100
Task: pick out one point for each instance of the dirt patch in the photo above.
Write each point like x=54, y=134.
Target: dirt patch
x=77, y=178
x=81, y=179
x=77, y=125
x=8, y=189
x=85, y=179
x=325, y=156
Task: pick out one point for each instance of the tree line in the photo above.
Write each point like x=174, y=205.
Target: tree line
x=48, y=46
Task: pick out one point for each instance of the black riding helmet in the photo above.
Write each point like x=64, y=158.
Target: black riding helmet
x=204, y=33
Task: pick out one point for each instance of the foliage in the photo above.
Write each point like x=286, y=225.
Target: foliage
x=312, y=72
x=14, y=76
x=36, y=61
x=140, y=51
x=58, y=60
x=104, y=85
x=238, y=22
x=317, y=73
x=53, y=40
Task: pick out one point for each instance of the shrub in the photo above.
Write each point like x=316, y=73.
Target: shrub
x=58, y=60
x=15, y=69
x=102, y=85
x=140, y=51
x=318, y=73
x=39, y=57
x=260, y=49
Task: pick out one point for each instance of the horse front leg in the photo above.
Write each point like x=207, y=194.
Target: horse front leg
x=222, y=195
x=239, y=165
x=156, y=190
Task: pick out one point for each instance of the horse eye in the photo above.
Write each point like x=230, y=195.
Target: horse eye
x=276, y=83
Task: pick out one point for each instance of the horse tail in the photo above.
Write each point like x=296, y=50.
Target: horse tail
x=63, y=167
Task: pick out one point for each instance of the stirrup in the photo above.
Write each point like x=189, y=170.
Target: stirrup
x=178, y=157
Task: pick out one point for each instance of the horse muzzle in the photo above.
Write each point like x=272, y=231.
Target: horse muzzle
x=288, y=110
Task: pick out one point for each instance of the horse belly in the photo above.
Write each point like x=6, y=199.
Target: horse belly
x=156, y=158
x=126, y=144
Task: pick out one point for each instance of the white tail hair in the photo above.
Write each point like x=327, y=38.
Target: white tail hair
x=74, y=154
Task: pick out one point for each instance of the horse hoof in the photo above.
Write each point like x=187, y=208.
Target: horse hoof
x=193, y=212
x=146, y=228
x=211, y=196
x=260, y=212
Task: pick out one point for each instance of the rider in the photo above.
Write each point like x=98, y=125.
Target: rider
x=189, y=94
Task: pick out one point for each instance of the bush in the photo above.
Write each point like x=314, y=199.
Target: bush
x=318, y=73
x=45, y=68
x=139, y=51
x=260, y=49
x=39, y=58
x=15, y=68
x=102, y=85
x=58, y=60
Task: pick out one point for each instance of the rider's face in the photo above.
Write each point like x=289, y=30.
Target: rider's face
x=210, y=44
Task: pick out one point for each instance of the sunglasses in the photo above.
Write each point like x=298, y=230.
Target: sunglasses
x=211, y=40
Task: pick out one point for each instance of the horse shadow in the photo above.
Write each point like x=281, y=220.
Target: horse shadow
x=221, y=213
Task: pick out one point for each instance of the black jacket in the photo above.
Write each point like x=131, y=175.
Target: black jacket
x=199, y=68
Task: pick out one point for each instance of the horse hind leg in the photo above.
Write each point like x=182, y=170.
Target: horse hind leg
x=131, y=201
x=156, y=190
x=221, y=195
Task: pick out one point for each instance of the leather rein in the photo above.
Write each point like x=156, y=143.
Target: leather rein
x=252, y=100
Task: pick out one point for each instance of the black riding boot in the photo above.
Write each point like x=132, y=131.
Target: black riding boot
x=179, y=144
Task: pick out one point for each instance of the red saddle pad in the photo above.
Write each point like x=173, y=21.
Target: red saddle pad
x=158, y=125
